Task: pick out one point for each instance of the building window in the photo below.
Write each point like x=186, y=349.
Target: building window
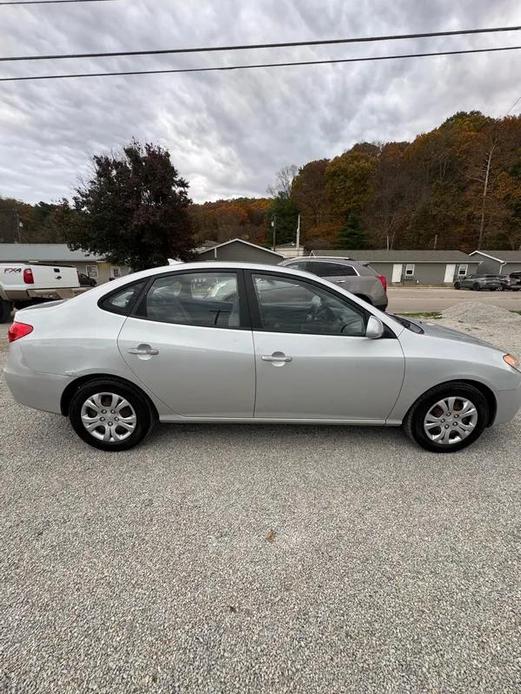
x=463, y=270
x=409, y=270
x=92, y=271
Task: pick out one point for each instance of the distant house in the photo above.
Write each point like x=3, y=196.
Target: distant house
x=413, y=267
x=241, y=251
x=497, y=262
x=59, y=253
x=290, y=250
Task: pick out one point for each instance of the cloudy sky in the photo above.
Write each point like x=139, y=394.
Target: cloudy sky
x=230, y=132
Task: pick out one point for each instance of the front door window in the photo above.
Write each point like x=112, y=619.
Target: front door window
x=295, y=306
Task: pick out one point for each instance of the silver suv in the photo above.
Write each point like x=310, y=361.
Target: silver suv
x=357, y=277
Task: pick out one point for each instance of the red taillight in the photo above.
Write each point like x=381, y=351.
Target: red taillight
x=28, y=276
x=383, y=280
x=18, y=330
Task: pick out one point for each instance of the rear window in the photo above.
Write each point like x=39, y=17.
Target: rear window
x=122, y=300
x=323, y=269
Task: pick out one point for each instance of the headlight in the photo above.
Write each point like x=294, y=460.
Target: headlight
x=512, y=361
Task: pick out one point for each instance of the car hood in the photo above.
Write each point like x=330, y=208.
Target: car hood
x=451, y=334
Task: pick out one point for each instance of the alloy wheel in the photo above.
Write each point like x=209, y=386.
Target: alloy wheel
x=450, y=420
x=108, y=417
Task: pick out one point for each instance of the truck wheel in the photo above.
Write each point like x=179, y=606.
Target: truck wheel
x=6, y=308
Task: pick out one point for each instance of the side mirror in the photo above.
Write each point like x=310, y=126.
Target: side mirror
x=375, y=328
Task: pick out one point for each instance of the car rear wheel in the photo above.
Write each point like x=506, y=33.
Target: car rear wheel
x=110, y=415
x=447, y=418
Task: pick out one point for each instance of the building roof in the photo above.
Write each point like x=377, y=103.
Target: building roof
x=501, y=256
x=384, y=256
x=43, y=253
x=246, y=243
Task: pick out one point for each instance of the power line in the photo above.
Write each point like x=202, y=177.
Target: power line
x=255, y=46
x=259, y=65
x=513, y=106
x=47, y=2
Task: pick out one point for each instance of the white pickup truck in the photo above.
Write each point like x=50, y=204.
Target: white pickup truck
x=22, y=284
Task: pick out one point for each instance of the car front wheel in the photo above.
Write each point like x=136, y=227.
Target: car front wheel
x=110, y=415
x=447, y=418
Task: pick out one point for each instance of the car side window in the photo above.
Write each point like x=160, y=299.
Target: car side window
x=331, y=270
x=205, y=299
x=290, y=305
x=122, y=301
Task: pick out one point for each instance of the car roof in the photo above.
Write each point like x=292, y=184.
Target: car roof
x=187, y=267
x=326, y=258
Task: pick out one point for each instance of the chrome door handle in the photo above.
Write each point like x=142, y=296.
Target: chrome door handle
x=277, y=357
x=340, y=282
x=144, y=351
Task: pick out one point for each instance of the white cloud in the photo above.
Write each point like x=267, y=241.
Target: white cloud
x=230, y=132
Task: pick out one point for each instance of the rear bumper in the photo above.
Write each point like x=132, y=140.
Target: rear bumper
x=41, y=391
x=51, y=294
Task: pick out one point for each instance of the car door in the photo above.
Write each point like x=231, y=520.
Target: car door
x=188, y=341
x=312, y=358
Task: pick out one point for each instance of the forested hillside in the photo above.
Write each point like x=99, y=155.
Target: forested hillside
x=457, y=186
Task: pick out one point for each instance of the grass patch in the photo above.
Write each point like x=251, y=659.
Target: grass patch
x=434, y=315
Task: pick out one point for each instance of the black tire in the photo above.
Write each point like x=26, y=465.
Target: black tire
x=6, y=308
x=144, y=416
x=457, y=285
x=413, y=422
x=476, y=287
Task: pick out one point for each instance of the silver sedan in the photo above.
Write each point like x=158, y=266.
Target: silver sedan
x=230, y=342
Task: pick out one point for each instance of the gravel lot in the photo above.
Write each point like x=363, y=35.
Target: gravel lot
x=420, y=298
x=258, y=559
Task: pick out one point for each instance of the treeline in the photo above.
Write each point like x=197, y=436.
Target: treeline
x=457, y=186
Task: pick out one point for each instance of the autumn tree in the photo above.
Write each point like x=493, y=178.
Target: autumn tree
x=133, y=211
x=308, y=192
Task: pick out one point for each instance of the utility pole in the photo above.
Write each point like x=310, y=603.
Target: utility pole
x=19, y=227
x=484, y=197
x=435, y=241
x=297, y=245
x=274, y=232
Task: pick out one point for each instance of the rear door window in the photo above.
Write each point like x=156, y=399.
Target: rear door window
x=205, y=299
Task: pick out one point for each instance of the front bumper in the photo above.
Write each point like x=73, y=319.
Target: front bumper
x=508, y=404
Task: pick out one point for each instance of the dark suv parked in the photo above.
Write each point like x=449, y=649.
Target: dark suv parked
x=357, y=277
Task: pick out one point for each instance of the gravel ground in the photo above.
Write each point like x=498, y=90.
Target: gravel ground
x=258, y=559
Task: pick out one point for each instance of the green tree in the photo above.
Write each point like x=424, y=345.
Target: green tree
x=351, y=236
x=282, y=217
x=134, y=209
